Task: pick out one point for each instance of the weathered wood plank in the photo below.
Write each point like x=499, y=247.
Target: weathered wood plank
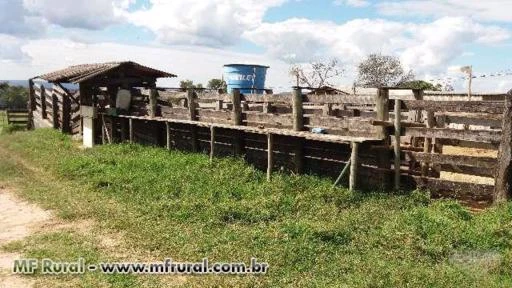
x=482, y=162
x=273, y=119
x=451, y=189
x=491, y=120
x=270, y=98
x=503, y=181
x=340, y=99
x=443, y=133
x=492, y=107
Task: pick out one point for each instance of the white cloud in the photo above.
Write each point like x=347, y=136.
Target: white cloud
x=487, y=10
x=425, y=47
x=353, y=3
x=11, y=49
x=15, y=20
x=202, y=22
x=196, y=63
x=84, y=14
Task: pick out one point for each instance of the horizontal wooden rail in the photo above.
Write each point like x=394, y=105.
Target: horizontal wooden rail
x=482, y=162
x=467, y=135
x=492, y=107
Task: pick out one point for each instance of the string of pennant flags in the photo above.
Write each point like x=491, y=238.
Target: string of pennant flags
x=502, y=73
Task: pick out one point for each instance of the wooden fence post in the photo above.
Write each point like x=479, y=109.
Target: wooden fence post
x=130, y=125
x=398, y=132
x=354, y=163
x=66, y=114
x=383, y=156
x=238, y=143
x=298, y=125
x=212, y=142
x=168, y=133
x=427, y=145
x=192, y=116
x=270, y=155
x=503, y=180
x=43, y=103
x=416, y=115
x=55, y=111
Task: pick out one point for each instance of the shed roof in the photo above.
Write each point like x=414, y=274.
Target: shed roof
x=80, y=73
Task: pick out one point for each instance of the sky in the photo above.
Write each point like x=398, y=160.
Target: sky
x=194, y=38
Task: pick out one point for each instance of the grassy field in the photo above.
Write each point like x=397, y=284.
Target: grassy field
x=153, y=204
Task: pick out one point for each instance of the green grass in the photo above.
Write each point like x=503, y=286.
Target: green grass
x=174, y=204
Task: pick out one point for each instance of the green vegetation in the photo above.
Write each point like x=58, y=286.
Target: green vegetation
x=216, y=84
x=174, y=204
x=420, y=84
x=13, y=96
x=187, y=84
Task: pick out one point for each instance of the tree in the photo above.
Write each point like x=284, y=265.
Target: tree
x=316, y=74
x=420, y=84
x=380, y=71
x=13, y=96
x=216, y=84
x=187, y=84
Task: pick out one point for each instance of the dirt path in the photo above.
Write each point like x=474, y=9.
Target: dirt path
x=17, y=220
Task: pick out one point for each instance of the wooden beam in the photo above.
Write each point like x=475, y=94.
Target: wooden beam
x=398, y=105
x=503, y=181
x=354, y=164
x=153, y=96
x=343, y=172
x=191, y=103
x=66, y=114
x=55, y=111
x=382, y=109
x=43, y=103
x=270, y=155
x=444, y=133
x=452, y=189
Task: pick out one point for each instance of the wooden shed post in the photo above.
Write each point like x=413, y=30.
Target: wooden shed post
x=354, y=163
x=398, y=132
x=238, y=141
x=66, y=114
x=428, y=143
x=88, y=114
x=153, y=95
x=31, y=104
x=192, y=116
x=270, y=155
x=43, y=103
x=55, y=111
x=298, y=125
x=503, y=180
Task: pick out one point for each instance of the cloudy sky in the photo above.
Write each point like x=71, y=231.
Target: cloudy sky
x=194, y=38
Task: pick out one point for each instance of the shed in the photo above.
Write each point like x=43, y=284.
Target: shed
x=94, y=79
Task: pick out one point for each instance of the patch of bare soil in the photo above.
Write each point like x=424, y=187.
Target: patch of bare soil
x=18, y=219
x=476, y=152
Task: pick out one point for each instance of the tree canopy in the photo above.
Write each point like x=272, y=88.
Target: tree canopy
x=187, y=84
x=381, y=71
x=420, y=84
x=13, y=96
x=316, y=74
x=216, y=84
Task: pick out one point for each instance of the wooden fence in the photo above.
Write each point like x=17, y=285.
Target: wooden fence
x=360, y=132
x=57, y=107
x=17, y=117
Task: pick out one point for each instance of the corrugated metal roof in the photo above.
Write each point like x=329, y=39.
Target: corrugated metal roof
x=80, y=73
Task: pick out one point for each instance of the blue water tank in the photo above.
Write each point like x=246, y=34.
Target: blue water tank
x=250, y=79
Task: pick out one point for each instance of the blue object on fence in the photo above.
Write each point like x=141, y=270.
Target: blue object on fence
x=318, y=130
x=250, y=79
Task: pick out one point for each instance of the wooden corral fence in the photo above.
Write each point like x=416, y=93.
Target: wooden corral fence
x=326, y=134
x=56, y=107
x=17, y=117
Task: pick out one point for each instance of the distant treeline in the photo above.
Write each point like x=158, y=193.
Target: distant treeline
x=13, y=96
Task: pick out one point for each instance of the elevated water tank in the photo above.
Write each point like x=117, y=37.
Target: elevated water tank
x=246, y=77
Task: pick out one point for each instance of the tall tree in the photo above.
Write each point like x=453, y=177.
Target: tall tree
x=13, y=96
x=380, y=71
x=316, y=74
